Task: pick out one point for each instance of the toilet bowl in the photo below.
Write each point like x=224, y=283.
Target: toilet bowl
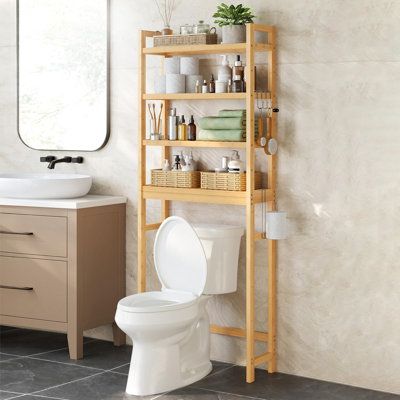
x=170, y=328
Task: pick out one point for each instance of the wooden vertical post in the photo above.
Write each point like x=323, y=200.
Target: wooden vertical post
x=165, y=154
x=250, y=367
x=272, y=206
x=141, y=214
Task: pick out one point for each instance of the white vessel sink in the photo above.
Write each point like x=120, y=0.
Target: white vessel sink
x=44, y=186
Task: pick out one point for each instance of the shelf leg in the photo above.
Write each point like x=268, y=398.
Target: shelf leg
x=271, y=367
x=165, y=154
x=250, y=367
x=250, y=209
x=141, y=278
x=272, y=246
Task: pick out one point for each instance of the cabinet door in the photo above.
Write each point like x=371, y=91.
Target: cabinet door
x=33, y=234
x=33, y=288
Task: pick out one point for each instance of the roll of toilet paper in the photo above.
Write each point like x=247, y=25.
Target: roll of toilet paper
x=276, y=225
x=159, y=84
x=172, y=65
x=191, y=82
x=189, y=66
x=175, y=83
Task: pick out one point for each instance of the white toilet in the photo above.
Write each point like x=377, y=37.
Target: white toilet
x=170, y=329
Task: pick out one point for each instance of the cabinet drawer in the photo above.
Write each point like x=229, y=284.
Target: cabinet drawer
x=33, y=234
x=33, y=288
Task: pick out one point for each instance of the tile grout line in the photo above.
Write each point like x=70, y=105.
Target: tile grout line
x=231, y=394
x=47, y=397
x=65, y=363
x=66, y=383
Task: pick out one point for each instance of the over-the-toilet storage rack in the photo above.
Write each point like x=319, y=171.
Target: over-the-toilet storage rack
x=248, y=198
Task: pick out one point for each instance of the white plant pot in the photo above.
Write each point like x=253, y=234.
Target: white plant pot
x=234, y=34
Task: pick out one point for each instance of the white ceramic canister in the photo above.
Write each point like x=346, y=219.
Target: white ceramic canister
x=221, y=87
x=172, y=65
x=189, y=66
x=175, y=83
x=191, y=82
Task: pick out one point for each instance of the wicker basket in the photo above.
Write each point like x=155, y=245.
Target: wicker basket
x=176, y=40
x=227, y=181
x=177, y=179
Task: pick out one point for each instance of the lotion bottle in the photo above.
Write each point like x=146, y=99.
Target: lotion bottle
x=191, y=131
x=172, y=124
x=182, y=129
x=224, y=71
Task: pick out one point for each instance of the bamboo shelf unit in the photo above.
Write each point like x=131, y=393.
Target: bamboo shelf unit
x=248, y=198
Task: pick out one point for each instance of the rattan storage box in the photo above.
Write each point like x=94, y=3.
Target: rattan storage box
x=227, y=181
x=176, y=40
x=177, y=179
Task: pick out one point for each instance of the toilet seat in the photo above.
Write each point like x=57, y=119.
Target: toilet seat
x=179, y=257
x=151, y=302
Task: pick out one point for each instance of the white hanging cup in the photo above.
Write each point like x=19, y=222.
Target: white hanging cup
x=276, y=225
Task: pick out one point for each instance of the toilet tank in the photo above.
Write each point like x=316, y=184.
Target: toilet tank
x=221, y=244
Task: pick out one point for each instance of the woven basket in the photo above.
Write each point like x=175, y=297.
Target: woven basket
x=177, y=179
x=227, y=181
x=176, y=40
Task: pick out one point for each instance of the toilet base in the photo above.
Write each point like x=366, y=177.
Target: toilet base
x=160, y=377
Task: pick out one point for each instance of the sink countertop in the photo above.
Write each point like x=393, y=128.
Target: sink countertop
x=90, y=200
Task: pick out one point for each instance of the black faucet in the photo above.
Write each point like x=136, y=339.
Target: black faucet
x=54, y=160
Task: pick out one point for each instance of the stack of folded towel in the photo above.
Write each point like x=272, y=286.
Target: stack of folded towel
x=229, y=126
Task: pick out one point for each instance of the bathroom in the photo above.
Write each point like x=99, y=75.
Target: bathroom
x=338, y=301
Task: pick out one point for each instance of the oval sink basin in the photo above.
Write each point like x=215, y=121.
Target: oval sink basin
x=44, y=186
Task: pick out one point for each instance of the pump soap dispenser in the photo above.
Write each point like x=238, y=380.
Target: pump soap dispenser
x=235, y=165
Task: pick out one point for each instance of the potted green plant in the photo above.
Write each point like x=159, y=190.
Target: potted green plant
x=232, y=20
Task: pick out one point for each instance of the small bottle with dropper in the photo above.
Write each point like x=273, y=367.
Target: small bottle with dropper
x=197, y=87
x=204, y=87
x=211, y=85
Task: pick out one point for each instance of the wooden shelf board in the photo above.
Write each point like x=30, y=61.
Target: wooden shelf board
x=204, y=196
x=195, y=96
x=204, y=49
x=194, y=143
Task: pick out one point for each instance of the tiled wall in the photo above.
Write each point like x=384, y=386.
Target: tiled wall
x=339, y=95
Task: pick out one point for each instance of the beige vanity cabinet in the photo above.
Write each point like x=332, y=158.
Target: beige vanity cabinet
x=62, y=265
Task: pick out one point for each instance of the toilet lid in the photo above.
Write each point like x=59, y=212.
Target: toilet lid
x=179, y=257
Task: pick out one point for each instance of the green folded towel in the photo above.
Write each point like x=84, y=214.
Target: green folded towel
x=232, y=113
x=222, y=135
x=222, y=123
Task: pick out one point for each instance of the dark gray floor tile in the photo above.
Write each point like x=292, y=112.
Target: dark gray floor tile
x=4, y=329
x=24, y=342
x=4, y=357
x=285, y=387
x=219, y=366
x=27, y=375
x=124, y=369
x=96, y=354
x=33, y=397
x=107, y=385
x=8, y=395
x=191, y=393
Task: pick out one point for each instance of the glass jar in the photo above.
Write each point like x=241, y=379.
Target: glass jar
x=201, y=27
x=186, y=29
